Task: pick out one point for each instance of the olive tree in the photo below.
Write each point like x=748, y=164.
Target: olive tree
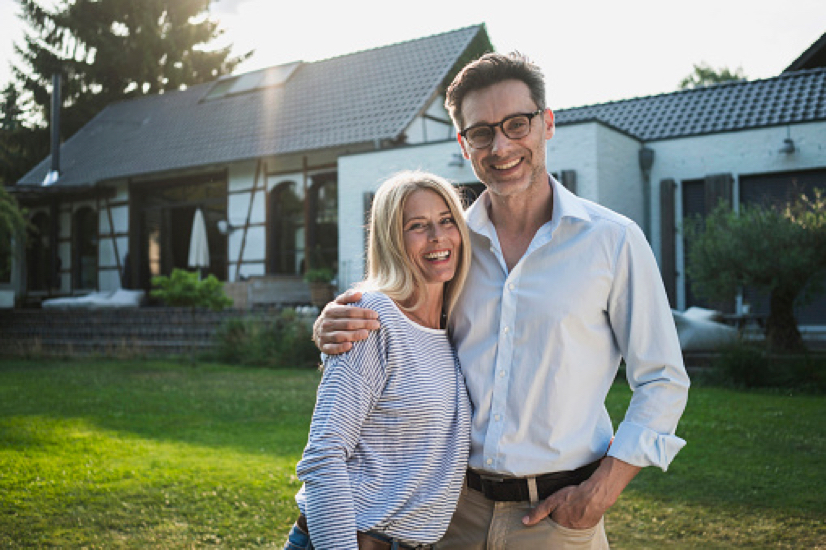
x=779, y=250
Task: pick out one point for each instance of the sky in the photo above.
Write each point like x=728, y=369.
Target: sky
x=591, y=51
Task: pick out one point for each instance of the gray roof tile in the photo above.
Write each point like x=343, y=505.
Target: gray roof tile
x=356, y=98
x=786, y=99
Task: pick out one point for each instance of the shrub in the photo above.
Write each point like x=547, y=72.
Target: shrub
x=753, y=366
x=281, y=341
x=184, y=289
x=319, y=275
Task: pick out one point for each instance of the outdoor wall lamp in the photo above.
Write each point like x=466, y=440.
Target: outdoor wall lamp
x=788, y=144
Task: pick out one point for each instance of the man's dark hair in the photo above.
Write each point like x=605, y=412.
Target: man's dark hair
x=490, y=69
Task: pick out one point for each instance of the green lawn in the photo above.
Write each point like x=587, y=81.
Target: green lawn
x=137, y=454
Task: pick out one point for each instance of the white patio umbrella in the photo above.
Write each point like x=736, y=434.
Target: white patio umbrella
x=198, y=245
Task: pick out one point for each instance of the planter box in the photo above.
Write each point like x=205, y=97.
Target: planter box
x=321, y=294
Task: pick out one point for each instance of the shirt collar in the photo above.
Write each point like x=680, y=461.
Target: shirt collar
x=566, y=205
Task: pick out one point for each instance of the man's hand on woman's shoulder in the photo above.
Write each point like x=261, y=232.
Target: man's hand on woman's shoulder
x=339, y=324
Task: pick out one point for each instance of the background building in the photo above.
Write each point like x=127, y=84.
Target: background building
x=283, y=163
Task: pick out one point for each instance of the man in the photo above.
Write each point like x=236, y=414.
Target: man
x=559, y=292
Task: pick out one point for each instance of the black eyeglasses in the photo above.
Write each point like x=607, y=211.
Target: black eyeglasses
x=517, y=126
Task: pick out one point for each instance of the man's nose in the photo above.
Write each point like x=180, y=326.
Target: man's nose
x=500, y=140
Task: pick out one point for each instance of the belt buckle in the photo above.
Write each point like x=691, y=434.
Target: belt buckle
x=490, y=484
x=495, y=479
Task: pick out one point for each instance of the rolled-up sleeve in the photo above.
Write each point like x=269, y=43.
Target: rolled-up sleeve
x=643, y=326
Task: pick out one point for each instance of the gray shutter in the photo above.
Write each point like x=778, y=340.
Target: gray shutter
x=668, y=262
x=568, y=180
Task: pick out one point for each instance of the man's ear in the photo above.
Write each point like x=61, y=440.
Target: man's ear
x=550, y=127
x=463, y=145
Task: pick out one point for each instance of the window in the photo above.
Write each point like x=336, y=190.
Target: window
x=323, y=235
x=161, y=218
x=285, y=230
x=5, y=261
x=292, y=244
x=85, y=248
x=40, y=273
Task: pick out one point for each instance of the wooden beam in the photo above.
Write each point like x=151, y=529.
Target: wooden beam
x=260, y=169
x=114, y=242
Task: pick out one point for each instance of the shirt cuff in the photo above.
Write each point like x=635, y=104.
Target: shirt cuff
x=641, y=446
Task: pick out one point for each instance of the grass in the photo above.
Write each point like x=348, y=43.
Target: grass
x=149, y=454
x=137, y=454
x=751, y=476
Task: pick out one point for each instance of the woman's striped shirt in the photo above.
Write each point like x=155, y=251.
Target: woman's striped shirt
x=389, y=439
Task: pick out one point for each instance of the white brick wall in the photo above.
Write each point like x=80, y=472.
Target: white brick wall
x=359, y=174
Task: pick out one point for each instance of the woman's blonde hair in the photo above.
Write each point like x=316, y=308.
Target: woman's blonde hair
x=389, y=269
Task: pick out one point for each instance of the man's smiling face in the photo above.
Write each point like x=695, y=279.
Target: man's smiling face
x=507, y=167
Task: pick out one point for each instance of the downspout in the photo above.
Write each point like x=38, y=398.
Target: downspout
x=646, y=159
x=308, y=259
x=54, y=171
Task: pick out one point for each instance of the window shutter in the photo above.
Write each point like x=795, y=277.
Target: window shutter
x=668, y=264
x=568, y=180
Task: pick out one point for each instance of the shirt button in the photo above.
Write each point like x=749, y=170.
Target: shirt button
x=496, y=417
x=489, y=461
x=501, y=374
x=511, y=286
x=506, y=330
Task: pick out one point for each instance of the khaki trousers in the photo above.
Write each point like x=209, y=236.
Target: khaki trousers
x=482, y=524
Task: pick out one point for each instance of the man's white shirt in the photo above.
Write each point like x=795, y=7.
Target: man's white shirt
x=540, y=345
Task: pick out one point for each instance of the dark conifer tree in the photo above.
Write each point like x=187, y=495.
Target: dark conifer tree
x=109, y=50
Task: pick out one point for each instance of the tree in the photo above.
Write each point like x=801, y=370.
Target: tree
x=21, y=146
x=780, y=250
x=10, y=110
x=13, y=226
x=705, y=75
x=109, y=50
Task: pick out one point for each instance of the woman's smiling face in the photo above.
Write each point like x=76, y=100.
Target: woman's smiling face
x=431, y=239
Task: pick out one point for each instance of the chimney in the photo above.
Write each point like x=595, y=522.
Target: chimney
x=54, y=171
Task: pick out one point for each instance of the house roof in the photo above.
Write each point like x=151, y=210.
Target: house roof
x=812, y=58
x=790, y=98
x=363, y=97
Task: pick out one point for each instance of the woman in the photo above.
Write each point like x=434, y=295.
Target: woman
x=389, y=438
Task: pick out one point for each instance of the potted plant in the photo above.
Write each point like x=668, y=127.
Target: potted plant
x=320, y=281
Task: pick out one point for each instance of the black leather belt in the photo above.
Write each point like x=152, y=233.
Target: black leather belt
x=516, y=488
x=371, y=540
